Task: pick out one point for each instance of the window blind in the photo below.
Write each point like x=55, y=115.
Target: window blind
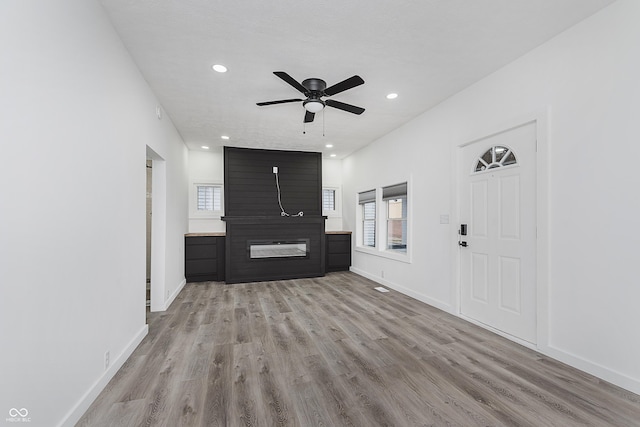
x=367, y=196
x=328, y=200
x=394, y=191
x=209, y=198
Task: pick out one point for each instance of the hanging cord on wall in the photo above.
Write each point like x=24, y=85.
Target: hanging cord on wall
x=282, y=211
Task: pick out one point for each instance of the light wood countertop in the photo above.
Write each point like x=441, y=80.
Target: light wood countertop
x=222, y=234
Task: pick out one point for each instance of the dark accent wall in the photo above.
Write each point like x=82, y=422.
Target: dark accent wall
x=250, y=184
x=252, y=212
x=241, y=268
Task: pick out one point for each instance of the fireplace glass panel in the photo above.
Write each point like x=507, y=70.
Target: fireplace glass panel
x=259, y=249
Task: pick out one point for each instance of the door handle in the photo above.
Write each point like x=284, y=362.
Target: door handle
x=463, y=244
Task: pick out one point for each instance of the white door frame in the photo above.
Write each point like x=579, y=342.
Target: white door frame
x=158, y=230
x=540, y=118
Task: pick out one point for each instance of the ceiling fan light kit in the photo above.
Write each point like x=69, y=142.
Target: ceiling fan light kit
x=314, y=90
x=313, y=105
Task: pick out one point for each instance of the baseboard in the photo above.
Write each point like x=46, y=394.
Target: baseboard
x=420, y=297
x=173, y=296
x=592, y=368
x=74, y=415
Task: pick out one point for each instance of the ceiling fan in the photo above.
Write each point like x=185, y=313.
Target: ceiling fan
x=314, y=89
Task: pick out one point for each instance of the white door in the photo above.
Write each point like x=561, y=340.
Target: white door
x=498, y=204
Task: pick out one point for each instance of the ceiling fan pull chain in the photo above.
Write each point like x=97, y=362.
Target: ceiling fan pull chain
x=322, y=122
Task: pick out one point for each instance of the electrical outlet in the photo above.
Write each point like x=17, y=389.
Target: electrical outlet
x=275, y=169
x=106, y=360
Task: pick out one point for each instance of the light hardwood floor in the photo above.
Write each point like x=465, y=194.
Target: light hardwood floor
x=333, y=351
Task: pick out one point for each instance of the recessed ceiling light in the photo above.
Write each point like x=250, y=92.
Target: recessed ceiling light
x=392, y=96
x=219, y=68
x=333, y=155
x=329, y=145
x=205, y=147
x=224, y=137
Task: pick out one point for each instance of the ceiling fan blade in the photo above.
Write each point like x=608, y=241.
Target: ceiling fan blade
x=282, y=101
x=287, y=78
x=308, y=116
x=344, y=85
x=342, y=106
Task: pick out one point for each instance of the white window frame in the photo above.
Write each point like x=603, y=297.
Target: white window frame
x=337, y=205
x=381, y=227
x=395, y=190
x=360, y=223
x=194, y=212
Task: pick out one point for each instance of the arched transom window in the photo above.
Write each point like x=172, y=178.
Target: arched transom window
x=495, y=157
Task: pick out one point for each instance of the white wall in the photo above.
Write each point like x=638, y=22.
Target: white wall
x=332, y=178
x=586, y=80
x=75, y=119
x=207, y=167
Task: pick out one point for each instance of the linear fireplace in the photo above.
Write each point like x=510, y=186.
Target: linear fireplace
x=260, y=249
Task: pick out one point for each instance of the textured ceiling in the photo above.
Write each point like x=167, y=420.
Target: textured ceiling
x=424, y=50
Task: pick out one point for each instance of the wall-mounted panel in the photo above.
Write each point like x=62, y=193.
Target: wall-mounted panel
x=251, y=188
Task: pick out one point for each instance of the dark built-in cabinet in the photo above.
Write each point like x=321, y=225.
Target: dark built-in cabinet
x=204, y=258
x=338, y=251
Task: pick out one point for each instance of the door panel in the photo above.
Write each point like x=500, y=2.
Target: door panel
x=510, y=285
x=510, y=207
x=497, y=201
x=479, y=277
x=479, y=215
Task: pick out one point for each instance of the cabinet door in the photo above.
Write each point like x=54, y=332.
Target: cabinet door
x=338, y=256
x=193, y=252
x=202, y=255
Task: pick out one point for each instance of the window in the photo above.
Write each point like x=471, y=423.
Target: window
x=328, y=200
x=367, y=201
x=395, y=198
x=495, y=157
x=331, y=201
x=208, y=198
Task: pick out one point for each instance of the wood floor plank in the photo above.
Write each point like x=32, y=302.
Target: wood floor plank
x=333, y=351
x=275, y=393
x=286, y=358
x=246, y=408
x=217, y=403
x=339, y=399
x=187, y=408
x=129, y=413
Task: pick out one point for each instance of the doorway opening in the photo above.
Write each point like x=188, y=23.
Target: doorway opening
x=148, y=213
x=156, y=230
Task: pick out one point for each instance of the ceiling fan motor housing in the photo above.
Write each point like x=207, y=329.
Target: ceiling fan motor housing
x=315, y=86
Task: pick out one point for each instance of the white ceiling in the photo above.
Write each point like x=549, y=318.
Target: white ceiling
x=424, y=50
